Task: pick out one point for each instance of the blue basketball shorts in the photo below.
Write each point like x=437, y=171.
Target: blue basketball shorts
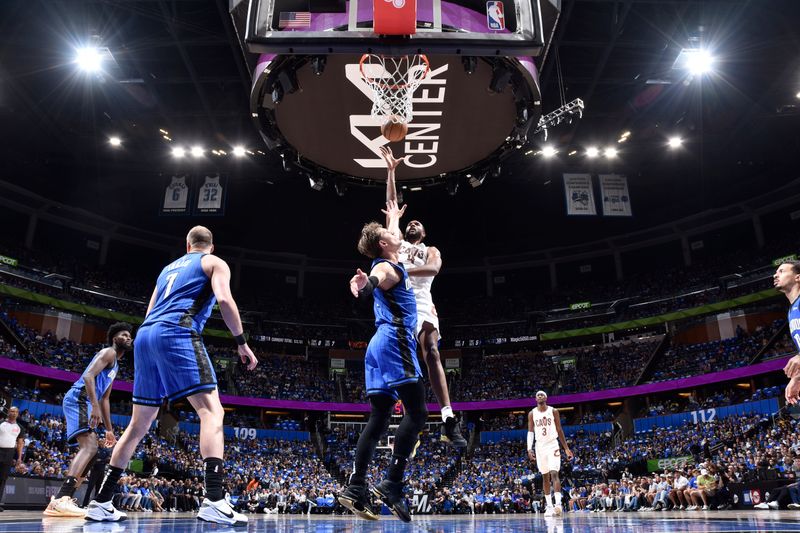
x=77, y=411
x=391, y=360
x=169, y=362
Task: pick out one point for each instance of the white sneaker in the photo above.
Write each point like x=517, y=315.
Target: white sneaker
x=64, y=506
x=103, y=512
x=773, y=505
x=681, y=508
x=762, y=505
x=705, y=508
x=220, y=512
x=549, y=511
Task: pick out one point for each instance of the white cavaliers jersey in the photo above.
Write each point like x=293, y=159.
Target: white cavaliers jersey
x=209, y=196
x=416, y=255
x=177, y=193
x=544, y=426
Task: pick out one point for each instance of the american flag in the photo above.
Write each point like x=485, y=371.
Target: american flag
x=294, y=19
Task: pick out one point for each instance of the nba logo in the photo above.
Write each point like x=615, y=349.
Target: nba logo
x=494, y=15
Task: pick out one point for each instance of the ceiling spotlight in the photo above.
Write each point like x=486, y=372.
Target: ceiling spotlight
x=675, y=142
x=549, y=151
x=610, y=152
x=178, y=152
x=197, y=151
x=239, y=151
x=592, y=151
x=699, y=61
x=115, y=141
x=89, y=59
x=798, y=95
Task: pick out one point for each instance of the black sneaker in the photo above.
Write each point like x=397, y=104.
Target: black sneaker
x=391, y=494
x=356, y=498
x=451, y=433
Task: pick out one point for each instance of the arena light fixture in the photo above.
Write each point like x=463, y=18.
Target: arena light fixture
x=798, y=95
x=197, y=151
x=592, y=152
x=89, y=59
x=610, y=152
x=675, y=142
x=115, y=141
x=239, y=151
x=178, y=152
x=699, y=61
x=549, y=151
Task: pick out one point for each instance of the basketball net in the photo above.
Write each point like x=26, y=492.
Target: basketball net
x=393, y=80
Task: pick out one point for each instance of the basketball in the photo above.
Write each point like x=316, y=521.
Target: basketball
x=394, y=131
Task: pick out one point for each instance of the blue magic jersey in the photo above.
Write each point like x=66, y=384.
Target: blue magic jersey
x=183, y=294
x=794, y=322
x=397, y=306
x=102, y=381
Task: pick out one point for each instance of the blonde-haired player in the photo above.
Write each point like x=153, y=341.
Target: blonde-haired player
x=544, y=426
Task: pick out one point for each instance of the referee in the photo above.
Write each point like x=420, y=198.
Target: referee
x=11, y=441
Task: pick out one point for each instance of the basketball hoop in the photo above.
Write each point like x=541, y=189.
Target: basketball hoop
x=393, y=80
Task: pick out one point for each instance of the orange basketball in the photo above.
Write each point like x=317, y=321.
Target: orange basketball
x=394, y=131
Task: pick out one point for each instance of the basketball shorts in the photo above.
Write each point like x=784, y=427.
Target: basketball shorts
x=170, y=362
x=77, y=410
x=391, y=360
x=548, y=457
x=426, y=312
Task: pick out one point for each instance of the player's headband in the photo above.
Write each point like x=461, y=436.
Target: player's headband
x=543, y=393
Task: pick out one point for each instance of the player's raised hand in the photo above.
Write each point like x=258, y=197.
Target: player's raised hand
x=792, y=368
x=391, y=162
x=792, y=391
x=247, y=356
x=358, y=282
x=393, y=210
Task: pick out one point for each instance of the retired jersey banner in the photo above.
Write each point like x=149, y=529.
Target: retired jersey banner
x=616, y=200
x=579, y=194
x=211, y=191
x=175, y=200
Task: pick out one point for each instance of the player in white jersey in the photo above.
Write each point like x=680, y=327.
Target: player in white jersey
x=423, y=263
x=544, y=426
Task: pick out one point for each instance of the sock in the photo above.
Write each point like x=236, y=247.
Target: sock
x=447, y=412
x=549, y=499
x=397, y=466
x=213, y=480
x=110, y=481
x=558, y=498
x=68, y=487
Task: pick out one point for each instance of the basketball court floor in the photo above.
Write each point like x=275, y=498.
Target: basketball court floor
x=722, y=521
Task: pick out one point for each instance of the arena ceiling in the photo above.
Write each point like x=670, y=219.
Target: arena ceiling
x=176, y=66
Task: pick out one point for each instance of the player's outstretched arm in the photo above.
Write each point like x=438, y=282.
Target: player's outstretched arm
x=219, y=273
x=391, y=165
x=431, y=267
x=393, y=214
x=382, y=275
x=561, y=437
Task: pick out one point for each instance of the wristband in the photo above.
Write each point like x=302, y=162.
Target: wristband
x=240, y=340
x=372, y=282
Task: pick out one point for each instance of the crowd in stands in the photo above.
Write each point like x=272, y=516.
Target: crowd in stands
x=519, y=375
x=684, y=360
x=609, y=367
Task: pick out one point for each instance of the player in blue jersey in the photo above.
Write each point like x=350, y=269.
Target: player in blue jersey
x=86, y=405
x=171, y=363
x=423, y=263
x=391, y=368
x=787, y=281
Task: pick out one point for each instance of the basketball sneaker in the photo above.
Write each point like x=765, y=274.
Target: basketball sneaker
x=549, y=511
x=356, y=498
x=391, y=494
x=451, y=433
x=64, y=506
x=103, y=512
x=220, y=512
